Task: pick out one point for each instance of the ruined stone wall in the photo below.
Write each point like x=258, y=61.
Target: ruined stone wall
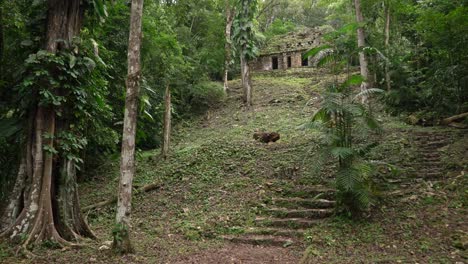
x=265, y=63
x=262, y=64
x=296, y=60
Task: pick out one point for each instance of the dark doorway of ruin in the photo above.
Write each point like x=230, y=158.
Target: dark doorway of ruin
x=305, y=62
x=274, y=63
x=289, y=62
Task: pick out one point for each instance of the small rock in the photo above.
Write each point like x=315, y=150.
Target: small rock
x=266, y=137
x=107, y=243
x=92, y=260
x=103, y=247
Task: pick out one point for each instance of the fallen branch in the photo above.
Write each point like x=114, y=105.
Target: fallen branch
x=449, y=120
x=143, y=189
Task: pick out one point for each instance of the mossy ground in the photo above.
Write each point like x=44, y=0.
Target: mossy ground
x=217, y=177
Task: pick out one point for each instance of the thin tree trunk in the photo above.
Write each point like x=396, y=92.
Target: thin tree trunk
x=361, y=44
x=246, y=80
x=122, y=242
x=388, y=80
x=227, y=45
x=167, y=122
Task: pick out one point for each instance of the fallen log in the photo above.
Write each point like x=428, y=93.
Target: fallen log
x=457, y=125
x=142, y=189
x=449, y=120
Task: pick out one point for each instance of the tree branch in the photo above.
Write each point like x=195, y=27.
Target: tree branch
x=113, y=200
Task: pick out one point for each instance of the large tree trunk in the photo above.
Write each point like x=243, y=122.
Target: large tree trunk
x=388, y=80
x=361, y=44
x=2, y=45
x=167, y=122
x=227, y=46
x=122, y=242
x=246, y=80
x=34, y=212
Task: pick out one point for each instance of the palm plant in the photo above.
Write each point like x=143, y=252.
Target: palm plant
x=341, y=117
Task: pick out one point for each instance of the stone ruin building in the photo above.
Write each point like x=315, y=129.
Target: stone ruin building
x=286, y=51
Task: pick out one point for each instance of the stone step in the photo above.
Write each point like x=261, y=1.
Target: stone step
x=432, y=138
x=428, y=171
x=433, y=174
x=430, y=157
x=429, y=160
x=284, y=232
x=298, y=202
x=295, y=223
x=438, y=164
x=316, y=191
x=430, y=152
x=300, y=213
x=438, y=144
x=429, y=164
x=264, y=240
x=438, y=134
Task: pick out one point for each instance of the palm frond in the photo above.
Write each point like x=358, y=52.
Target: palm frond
x=322, y=115
x=324, y=57
x=353, y=80
x=315, y=51
x=367, y=92
x=9, y=127
x=342, y=152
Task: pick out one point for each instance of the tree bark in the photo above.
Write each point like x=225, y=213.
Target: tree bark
x=388, y=80
x=2, y=45
x=34, y=212
x=167, y=122
x=227, y=46
x=122, y=243
x=361, y=44
x=246, y=80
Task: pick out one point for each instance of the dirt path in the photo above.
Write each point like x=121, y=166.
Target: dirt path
x=243, y=254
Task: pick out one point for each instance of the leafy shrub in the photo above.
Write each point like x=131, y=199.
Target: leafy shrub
x=279, y=27
x=206, y=94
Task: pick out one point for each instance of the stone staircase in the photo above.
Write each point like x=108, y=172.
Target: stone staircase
x=428, y=164
x=287, y=215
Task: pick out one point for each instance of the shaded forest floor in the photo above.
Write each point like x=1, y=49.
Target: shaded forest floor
x=218, y=179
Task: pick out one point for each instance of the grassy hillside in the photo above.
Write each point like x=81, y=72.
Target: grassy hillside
x=218, y=177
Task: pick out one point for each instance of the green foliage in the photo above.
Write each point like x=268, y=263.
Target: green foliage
x=341, y=119
x=431, y=74
x=338, y=119
x=279, y=27
x=71, y=83
x=50, y=244
x=302, y=13
x=120, y=232
x=206, y=95
x=339, y=50
x=243, y=33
